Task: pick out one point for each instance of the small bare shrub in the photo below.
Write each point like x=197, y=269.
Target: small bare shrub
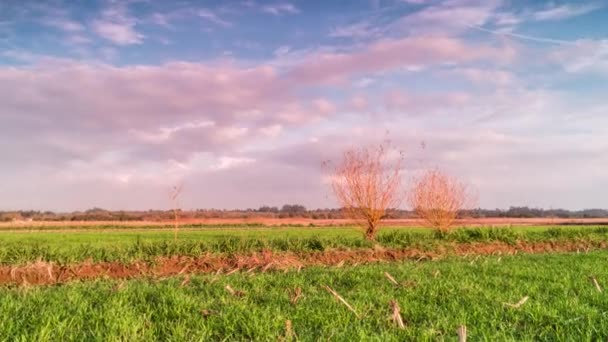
x=437, y=197
x=175, y=192
x=366, y=185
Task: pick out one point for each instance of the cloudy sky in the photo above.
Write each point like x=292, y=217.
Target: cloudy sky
x=109, y=103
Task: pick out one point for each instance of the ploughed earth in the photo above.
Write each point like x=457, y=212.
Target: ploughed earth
x=40, y=272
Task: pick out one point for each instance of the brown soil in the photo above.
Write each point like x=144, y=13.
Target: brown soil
x=41, y=273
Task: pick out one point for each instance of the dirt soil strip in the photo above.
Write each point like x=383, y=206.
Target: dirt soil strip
x=41, y=273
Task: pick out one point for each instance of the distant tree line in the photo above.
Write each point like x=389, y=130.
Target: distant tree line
x=286, y=211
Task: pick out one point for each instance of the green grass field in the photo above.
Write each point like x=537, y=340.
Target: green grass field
x=440, y=296
x=435, y=297
x=120, y=245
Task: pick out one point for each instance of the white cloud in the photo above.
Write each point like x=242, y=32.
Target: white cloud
x=120, y=33
x=213, y=17
x=485, y=76
x=584, y=55
x=66, y=25
x=565, y=11
x=281, y=51
x=363, y=29
x=280, y=8
x=231, y=162
x=117, y=26
x=448, y=17
x=272, y=130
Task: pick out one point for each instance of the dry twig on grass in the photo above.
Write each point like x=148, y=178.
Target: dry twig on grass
x=396, y=314
x=267, y=267
x=390, y=278
x=518, y=304
x=596, y=284
x=184, y=269
x=207, y=313
x=233, y=271
x=186, y=281
x=462, y=333
x=295, y=295
x=289, y=333
x=118, y=286
x=335, y=294
x=234, y=292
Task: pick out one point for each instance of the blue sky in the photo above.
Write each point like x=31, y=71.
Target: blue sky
x=110, y=103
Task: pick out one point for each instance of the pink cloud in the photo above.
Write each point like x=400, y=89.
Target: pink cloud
x=402, y=101
x=358, y=103
x=485, y=76
x=393, y=54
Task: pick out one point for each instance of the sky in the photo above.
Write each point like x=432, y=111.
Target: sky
x=110, y=103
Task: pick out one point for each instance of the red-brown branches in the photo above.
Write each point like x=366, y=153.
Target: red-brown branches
x=437, y=197
x=366, y=184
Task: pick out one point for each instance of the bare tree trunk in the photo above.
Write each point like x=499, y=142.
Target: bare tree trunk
x=370, y=232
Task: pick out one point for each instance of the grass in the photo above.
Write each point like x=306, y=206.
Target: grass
x=440, y=296
x=125, y=246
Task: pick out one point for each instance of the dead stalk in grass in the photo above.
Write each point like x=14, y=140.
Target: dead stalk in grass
x=295, y=295
x=596, y=284
x=390, y=278
x=267, y=267
x=186, y=281
x=335, y=294
x=233, y=271
x=462, y=333
x=518, y=304
x=118, y=286
x=396, y=314
x=289, y=332
x=207, y=313
x=234, y=292
x=184, y=269
x=174, y=195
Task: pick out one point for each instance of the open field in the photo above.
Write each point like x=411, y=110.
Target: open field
x=435, y=297
x=127, y=246
x=257, y=222
x=238, y=283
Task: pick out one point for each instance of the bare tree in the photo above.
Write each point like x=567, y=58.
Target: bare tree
x=175, y=192
x=437, y=197
x=366, y=184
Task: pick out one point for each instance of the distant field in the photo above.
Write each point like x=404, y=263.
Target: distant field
x=141, y=244
x=435, y=299
x=253, y=222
